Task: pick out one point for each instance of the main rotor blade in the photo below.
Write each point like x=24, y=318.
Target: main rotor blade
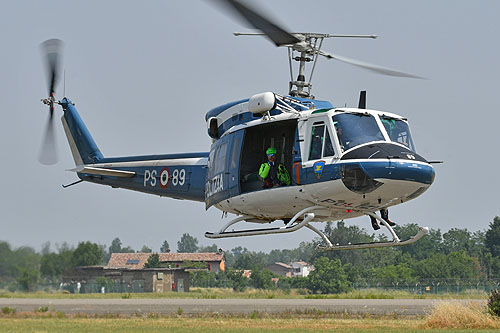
x=370, y=67
x=274, y=32
x=52, y=51
x=48, y=150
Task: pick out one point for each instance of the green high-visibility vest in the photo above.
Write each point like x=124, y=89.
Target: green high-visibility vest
x=283, y=175
x=264, y=170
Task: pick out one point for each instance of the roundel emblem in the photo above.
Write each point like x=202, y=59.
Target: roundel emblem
x=164, y=177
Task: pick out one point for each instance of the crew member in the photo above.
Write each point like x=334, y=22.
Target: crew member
x=384, y=213
x=271, y=173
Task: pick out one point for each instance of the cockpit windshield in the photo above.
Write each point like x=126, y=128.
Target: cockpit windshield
x=398, y=131
x=354, y=129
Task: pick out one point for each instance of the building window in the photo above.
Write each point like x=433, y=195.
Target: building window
x=132, y=262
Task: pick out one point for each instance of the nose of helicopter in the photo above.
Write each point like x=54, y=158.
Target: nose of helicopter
x=366, y=177
x=418, y=172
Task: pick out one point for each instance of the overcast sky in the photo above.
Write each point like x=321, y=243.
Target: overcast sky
x=144, y=73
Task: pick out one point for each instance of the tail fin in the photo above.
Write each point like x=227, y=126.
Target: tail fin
x=83, y=146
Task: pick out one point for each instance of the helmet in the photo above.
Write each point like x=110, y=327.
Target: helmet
x=271, y=150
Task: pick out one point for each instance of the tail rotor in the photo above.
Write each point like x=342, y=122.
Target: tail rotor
x=52, y=53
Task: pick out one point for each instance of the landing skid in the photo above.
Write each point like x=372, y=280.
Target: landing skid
x=308, y=216
x=395, y=239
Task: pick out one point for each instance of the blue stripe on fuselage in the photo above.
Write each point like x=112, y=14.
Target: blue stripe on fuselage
x=375, y=169
x=153, y=157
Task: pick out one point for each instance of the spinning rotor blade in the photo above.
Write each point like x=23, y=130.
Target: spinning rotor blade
x=48, y=151
x=274, y=32
x=52, y=50
x=370, y=67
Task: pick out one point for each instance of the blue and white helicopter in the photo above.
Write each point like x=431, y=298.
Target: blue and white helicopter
x=342, y=162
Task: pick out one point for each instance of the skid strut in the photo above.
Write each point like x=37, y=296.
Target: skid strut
x=292, y=226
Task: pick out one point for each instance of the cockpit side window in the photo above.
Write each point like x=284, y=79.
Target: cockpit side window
x=354, y=129
x=328, y=150
x=321, y=142
x=317, y=135
x=398, y=131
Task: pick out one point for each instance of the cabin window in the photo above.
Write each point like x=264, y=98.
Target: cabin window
x=354, y=129
x=235, y=156
x=217, y=160
x=220, y=158
x=321, y=142
x=398, y=131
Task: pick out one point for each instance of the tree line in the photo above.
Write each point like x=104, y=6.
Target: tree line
x=455, y=255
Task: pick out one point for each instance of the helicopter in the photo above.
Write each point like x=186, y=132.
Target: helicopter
x=341, y=162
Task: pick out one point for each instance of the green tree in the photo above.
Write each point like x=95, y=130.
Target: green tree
x=393, y=274
x=328, y=277
x=262, y=278
x=87, y=254
x=492, y=237
x=127, y=249
x=425, y=247
x=209, y=248
x=343, y=234
x=251, y=260
x=187, y=244
x=433, y=267
x=146, y=249
x=165, y=247
x=455, y=240
x=238, y=250
x=28, y=278
x=7, y=267
x=463, y=266
x=53, y=265
x=239, y=281
x=116, y=246
x=455, y=265
x=153, y=261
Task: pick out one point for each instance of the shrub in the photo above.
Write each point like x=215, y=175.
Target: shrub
x=6, y=310
x=494, y=303
x=454, y=315
x=42, y=309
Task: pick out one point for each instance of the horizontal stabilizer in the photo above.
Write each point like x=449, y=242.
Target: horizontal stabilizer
x=103, y=171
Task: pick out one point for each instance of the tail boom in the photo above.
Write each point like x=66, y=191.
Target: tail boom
x=180, y=176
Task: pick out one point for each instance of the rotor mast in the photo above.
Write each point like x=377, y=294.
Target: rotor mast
x=312, y=43
x=307, y=45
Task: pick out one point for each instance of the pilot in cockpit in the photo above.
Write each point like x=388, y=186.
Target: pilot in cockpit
x=271, y=173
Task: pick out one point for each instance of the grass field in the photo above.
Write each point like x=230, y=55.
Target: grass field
x=124, y=325
x=446, y=317
x=205, y=325
x=220, y=293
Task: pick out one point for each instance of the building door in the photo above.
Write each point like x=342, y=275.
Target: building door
x=138, y=286
x=180, y=285
x=159, y=286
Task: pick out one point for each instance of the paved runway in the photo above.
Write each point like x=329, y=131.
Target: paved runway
x=408, y=307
